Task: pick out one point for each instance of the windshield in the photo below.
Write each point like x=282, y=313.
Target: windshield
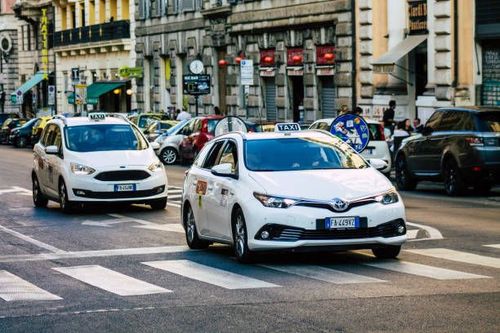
x=30, y=123
x=300, y=154
x=174, y=129
x=145, y=120
x=489, y=121
x=90, y=138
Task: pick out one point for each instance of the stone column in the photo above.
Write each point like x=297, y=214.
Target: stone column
x=396, y=14
x=443, y=40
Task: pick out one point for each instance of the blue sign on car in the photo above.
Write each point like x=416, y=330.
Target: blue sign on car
x=352, y=129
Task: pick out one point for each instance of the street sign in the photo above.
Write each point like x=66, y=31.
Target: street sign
x=75, y=75
x=196, y=84
x=246, y=69
x=52, y=95
x=19, y=97
x=352, y=129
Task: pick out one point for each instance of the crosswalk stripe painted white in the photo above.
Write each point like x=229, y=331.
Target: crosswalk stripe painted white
x=209, y=275
x=459, y=256
x=174, y=197
x=423, y=270
x=496, y=246
x=323, y=274
x=109, y=280
x=412, y=233
x=13, y=288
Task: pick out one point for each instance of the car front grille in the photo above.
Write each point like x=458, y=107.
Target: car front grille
x=118, y=195
x=122, y=175
x=291, y=234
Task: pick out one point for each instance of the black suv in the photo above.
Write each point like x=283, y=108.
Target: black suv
x=460, y=146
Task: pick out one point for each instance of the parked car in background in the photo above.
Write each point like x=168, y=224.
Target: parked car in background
x=377, y=146
x=157, y=128
x=202, y=130
x=459, y=146
x=7, y=126
x=21, y=136
x=170, y=141
x=38, y=127
x=143, y=120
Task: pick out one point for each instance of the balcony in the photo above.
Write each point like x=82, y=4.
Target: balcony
x=93, y=34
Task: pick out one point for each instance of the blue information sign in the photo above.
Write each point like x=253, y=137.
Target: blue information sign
x=352, y=129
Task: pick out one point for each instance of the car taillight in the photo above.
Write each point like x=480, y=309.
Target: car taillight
x=474, y=141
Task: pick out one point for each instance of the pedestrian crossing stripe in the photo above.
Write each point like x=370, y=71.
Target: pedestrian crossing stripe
x=174, y=196
x=465, y=257
x=13, y=288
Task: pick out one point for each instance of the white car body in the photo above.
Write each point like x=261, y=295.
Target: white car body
x=123, y=175
x=375, y=149
x=213, y=200
x=169, y=145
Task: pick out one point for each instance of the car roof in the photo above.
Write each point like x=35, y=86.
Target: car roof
x=80, y=121
x=278, y=135
x=472, y=109
x=330, y=120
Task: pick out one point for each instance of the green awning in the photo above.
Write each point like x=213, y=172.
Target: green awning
x=95, y=90
x=35, y=79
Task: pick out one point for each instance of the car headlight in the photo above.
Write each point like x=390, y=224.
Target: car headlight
x=274, y=202
x=80, y=169
x=387, y=198
x=157, y=166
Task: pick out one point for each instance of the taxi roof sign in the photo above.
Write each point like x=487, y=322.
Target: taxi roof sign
x=97, y=116
x=287, y=127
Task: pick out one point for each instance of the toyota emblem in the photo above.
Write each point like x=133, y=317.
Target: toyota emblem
x=339, y=205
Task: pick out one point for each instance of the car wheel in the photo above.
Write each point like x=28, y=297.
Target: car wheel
x=192, y=238
x=404, y=180
x=169, y=155
x=240, y=238
x=482, y=188
x=66, y=205
x=453, y=182
x=21, y=142
x=158, y=204
x=39, y=200
x=387, y=252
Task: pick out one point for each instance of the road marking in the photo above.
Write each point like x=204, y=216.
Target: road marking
x=109, y=280
x=496, y=246
x=94, y=254
x=172, y=227
x=16, y=190
x=432, y=232
x=209, y=275
x=459, y=256
x=173, y=204
x=31, y=240
x=412, y=234
x=423, y=270
x=13, y=288
x=118, y=218
x=323, y=274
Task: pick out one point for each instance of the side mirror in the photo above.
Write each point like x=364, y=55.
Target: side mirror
x=378, y=163
x=224, y=170
x=155, y=145
x=52, y=150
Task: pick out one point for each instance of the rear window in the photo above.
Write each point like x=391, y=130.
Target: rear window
x=489, y=122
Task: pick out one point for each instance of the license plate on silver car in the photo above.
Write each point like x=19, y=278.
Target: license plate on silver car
x=348, y=222
x=125, y=188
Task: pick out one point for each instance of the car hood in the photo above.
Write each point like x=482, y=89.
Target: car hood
x=347, y=184
x=115, y=159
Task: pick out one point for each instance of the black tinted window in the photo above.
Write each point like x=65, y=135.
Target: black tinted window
x=229, y=155
x=48, y=135
x=212, y=155
x=434, y=120
x=489, y=122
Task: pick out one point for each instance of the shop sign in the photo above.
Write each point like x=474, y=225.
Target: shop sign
x=44, y=30
x=295, y=71
x=325, y=71
x=196, y=84
x=267, y=73
x=130, y=72
x=383, y=69
x=267, y=58
x=325, y=55
x=417, y=17
x=294, y=57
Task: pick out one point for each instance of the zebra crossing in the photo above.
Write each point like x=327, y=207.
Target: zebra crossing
x=17, y=288
x=174, y=196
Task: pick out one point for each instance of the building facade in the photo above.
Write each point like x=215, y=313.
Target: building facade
x=268, y=59
x=437, y=53
x=9, y=54
x=94, y=50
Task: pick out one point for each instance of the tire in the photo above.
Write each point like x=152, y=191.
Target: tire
x=67, y=206
x=482, y=188
x=192, y=239
x=387, y=252
x=404, y=180
x=169, y=156
x=39, y=200
x=21, y=142
x=453, y=182
x=158, y=204
x=240, y=238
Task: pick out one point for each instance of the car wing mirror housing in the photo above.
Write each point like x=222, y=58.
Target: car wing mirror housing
x=378, y=163
x=52, y=150
x=224, y=170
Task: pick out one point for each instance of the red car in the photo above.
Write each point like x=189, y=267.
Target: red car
x=202, y=129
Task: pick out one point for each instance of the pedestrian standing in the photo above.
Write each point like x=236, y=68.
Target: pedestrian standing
x=343, y=110
x=417, y=125
x=217, y=110
x=183, y=116
x=388, y=118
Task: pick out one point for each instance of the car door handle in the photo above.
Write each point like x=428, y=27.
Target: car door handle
x=210, y=188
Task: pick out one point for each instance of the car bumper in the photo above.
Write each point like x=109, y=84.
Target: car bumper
x=302, y=227
x=89, y=189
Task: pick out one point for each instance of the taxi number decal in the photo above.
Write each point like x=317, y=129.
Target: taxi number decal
x=201, y=187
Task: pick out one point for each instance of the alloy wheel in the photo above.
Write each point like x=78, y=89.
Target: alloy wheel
x=169, y=156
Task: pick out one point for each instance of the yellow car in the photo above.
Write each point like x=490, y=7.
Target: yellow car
x=38, y=127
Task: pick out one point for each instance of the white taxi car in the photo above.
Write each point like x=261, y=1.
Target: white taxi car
x=295, y=190
x=102, y=158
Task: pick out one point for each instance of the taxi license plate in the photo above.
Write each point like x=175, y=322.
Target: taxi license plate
x=351, y=222
x=125, y=188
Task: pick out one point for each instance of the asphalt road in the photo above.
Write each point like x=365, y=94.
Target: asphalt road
x=127, y=269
